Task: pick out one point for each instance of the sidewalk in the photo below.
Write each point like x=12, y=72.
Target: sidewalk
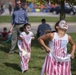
x=36, y=14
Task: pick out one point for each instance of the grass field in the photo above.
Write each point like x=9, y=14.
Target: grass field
x=6, y=19
x=10, y=63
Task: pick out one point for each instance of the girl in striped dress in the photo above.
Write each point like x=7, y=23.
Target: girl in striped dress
x=57, y=61
x=24, y=45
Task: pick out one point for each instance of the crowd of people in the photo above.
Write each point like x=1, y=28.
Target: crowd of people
x=31, y=7
x=57, y=57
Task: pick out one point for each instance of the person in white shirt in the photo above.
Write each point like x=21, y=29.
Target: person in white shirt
x=57, y=61
x=24, y=45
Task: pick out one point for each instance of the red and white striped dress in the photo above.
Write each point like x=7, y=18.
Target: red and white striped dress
x=57, y=61
x=25, y=50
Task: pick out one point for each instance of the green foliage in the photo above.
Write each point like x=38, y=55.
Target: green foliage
x=57, y=1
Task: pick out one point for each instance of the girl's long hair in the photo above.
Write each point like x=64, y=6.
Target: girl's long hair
x=24, y=26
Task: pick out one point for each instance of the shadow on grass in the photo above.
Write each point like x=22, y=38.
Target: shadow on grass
x=5, y=49
x=35, y=43
x=14, y=66
x=37, y=68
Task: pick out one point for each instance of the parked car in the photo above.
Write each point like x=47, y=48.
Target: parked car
x=57, y=9
x=74, y=8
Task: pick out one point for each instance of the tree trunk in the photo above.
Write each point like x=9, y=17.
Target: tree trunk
x=62, y=11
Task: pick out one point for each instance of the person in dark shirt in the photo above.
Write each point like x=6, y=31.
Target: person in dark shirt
x=4, y=34
x=43, y=28
x=10, y=9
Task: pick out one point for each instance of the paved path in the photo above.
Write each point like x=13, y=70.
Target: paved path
x=72, y=26
x=37, y=14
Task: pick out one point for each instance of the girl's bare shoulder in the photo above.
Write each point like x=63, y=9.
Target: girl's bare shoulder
x=50, y=35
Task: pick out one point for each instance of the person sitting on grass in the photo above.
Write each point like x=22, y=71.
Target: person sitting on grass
x=5, y=35
x=43, y=28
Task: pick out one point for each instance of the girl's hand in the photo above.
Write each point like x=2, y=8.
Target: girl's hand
x=47, y=49
x=20, y=38
x=72, y=55
x=33, y=38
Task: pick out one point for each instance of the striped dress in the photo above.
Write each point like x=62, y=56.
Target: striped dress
x=57, y=61
x=25, y=50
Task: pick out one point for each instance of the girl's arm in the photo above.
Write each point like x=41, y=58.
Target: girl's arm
x=41, y=39
x=33, y=38
x=73, y=46
x=20, y=38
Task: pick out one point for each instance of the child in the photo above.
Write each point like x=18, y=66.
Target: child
x=57, y=61
x=24, y=45
x=4, y=34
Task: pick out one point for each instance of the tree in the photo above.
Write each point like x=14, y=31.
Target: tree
x=62, y=3
x=62, y=11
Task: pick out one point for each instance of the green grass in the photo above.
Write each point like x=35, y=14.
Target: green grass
x=7, y=19
x=10, y=63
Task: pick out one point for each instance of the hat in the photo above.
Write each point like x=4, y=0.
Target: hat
x=63, y=24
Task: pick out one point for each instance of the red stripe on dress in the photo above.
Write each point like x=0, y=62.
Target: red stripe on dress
x=62, y=68
x=45, y=64
x=48, y=64
x=54, y=67
x=23, y=63
x=58, y=67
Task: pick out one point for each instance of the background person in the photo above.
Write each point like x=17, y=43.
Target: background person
x=43, y=28
x=19, y=18
x=10, y=9
x=4, y=34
